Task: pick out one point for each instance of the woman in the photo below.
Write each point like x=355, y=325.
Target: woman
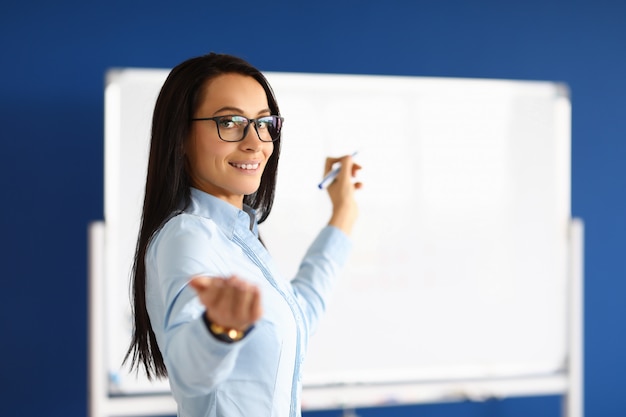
x=211, y=311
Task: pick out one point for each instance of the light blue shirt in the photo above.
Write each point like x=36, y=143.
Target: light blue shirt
x=261, y=374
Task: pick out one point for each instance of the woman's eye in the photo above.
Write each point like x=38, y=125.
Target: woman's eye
x=264, y=123
x=227, y=123
x=230, y=122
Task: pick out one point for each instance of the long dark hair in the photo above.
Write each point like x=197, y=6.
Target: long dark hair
x=168, y=184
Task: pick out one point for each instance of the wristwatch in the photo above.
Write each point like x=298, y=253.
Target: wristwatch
x=223, y=333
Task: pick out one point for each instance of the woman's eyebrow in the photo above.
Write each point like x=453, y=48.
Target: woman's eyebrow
x=238, y=110
x=228, y=108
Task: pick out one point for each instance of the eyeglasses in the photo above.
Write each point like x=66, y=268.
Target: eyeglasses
x=234, y=128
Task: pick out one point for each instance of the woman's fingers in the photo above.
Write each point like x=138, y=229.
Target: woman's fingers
x=230, y=302
x=256, y=310
x=341, y=193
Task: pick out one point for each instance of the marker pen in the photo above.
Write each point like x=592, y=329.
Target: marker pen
x=330, y=177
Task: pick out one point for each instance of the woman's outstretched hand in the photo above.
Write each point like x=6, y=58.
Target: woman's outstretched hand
x=231, y=303
x=341, y=192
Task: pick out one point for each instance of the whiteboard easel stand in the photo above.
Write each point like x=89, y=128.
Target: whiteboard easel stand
x=573, y=403
x=129, y=102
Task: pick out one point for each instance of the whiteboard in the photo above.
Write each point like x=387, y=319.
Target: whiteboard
x=459, y=269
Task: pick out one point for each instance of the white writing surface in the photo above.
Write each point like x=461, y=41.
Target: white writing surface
x=459, y=263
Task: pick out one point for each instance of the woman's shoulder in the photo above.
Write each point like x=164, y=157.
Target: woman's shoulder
x=187, y=223
x=183, y=232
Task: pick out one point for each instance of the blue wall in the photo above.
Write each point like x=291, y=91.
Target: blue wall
x=54, y=56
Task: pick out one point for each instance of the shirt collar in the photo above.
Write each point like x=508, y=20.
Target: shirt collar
x=227, y=217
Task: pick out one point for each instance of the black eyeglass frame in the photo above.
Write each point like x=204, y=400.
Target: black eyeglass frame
x=216, y=119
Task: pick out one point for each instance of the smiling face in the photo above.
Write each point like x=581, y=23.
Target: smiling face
x=228, y=170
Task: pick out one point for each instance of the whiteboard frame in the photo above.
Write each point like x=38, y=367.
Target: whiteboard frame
x=567, y=382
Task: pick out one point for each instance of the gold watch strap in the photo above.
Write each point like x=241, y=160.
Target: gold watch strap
x=232, y=334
